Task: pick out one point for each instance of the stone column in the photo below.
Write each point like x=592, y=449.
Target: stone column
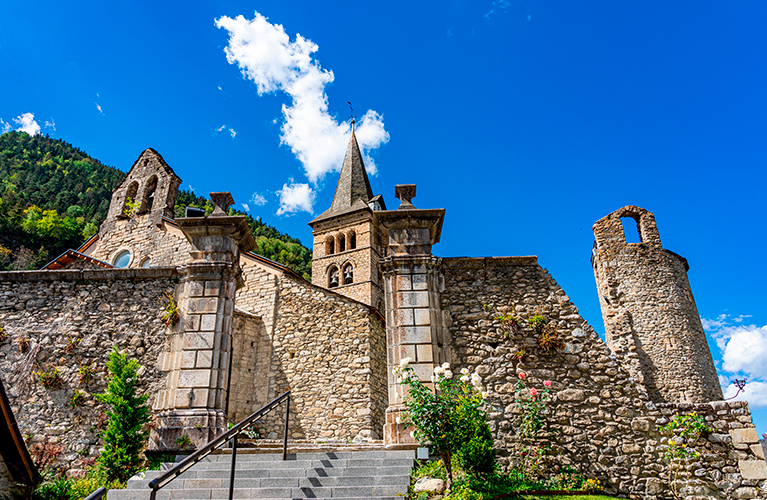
x=415, y=326
x=193, y=404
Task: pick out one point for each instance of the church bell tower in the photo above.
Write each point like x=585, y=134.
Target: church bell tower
x=347, y=241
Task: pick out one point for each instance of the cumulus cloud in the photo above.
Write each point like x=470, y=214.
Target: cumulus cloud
x=27, y=123
x=266, y=55
x=50, y=124
x=246, y=207
x=296, y=197
x=4, y=126
x=98, y=106
x=258, y=199
x=744, y=351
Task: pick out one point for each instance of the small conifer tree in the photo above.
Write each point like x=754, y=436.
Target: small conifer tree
x=124, y=436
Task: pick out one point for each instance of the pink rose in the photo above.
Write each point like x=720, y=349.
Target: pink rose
x=534, y=391
x=547, y=383
x=521, y=375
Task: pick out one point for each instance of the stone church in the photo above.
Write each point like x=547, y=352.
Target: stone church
x=249, y=329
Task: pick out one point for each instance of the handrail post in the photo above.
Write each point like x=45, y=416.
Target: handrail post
x=285, y=436
x=234, y=462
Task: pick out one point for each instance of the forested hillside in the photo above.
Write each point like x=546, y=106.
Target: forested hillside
x=54, y=196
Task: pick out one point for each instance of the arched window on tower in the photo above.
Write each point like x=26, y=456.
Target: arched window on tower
x=631, y=230
x=352, y=240
x=129, y=205
x=348, y=274
x=147, y=201
x=333, y=277
x=341, y=243
x=329, y=246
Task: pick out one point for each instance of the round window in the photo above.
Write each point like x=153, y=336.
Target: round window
x=122, y=259
x=147, y=262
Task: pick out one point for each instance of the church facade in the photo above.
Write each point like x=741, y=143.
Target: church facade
x=247, y=329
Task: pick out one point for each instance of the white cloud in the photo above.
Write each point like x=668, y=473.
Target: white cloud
x=295, y=198
x=50, y=124
x=246, y=207
x=27, y=123
x=231, y=131
x=754, y=392
x=744, y=351
x=98, y=106
x=4, y=126
x=258, y=199
x=265, y=55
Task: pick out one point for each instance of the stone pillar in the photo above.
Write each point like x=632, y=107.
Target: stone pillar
x=415, y=326
x=193, y=403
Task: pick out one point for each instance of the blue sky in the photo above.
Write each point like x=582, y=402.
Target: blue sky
x=527, y=120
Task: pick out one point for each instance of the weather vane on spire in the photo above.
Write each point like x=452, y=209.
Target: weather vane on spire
x=351, y=111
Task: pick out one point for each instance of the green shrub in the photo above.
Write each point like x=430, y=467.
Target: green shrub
x=124, y=436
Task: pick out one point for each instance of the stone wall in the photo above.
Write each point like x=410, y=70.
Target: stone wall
x=649, y=311
x=600, y=421
x=250, y=366
x=72, y=319
x=163, y=243
x=7, y=483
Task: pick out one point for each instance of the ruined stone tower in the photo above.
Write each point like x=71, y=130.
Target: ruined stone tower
x=347, y=242
x=649, y=311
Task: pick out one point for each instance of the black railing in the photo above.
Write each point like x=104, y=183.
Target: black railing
x=99, y=493
x=219, y=441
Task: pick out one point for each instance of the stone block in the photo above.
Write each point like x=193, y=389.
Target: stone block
x=424, y=353
x=640, y=425
x=415, y=335
x=419, y=282
x=191, y=322
x=403, y=317
x=195, y=288
x=207, y=305
x=188, y=359
x=744, y=436
x=745, y=492
x=412, y=299
x=212, y=288
x=571, y=395
x=204, y=359
x=208, y=322
x=753, y=469
x=422, y=317
x=200, y=399
x=403, y=282
x=758, y=450
x=202, y=340
x=194, y=378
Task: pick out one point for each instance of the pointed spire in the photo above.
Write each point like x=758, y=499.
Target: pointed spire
x=353, y=183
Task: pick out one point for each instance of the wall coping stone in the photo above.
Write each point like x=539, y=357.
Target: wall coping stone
x=470, y=262
x=88, y=274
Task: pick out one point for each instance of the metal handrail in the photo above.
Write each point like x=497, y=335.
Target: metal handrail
x=99, y=493
x=218, y=441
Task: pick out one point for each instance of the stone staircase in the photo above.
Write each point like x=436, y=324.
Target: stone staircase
x=352, y=475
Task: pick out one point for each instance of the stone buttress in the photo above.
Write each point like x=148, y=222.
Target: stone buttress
x=192, y=407
x=415, y=324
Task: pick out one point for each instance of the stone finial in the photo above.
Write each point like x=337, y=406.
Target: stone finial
x=222, y=200
x=405, y=193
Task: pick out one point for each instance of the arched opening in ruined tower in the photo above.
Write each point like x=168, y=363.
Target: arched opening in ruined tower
x=348, y=274
x=329, y=246
x=631, y=229
x=130, y=197
x=333, y=276
x=341, y=243
x=352, y=240
x=147, y=201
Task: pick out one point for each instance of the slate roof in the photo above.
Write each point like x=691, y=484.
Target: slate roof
x=353, y=190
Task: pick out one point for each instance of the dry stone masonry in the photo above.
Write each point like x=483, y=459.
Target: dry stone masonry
x=250, y=329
